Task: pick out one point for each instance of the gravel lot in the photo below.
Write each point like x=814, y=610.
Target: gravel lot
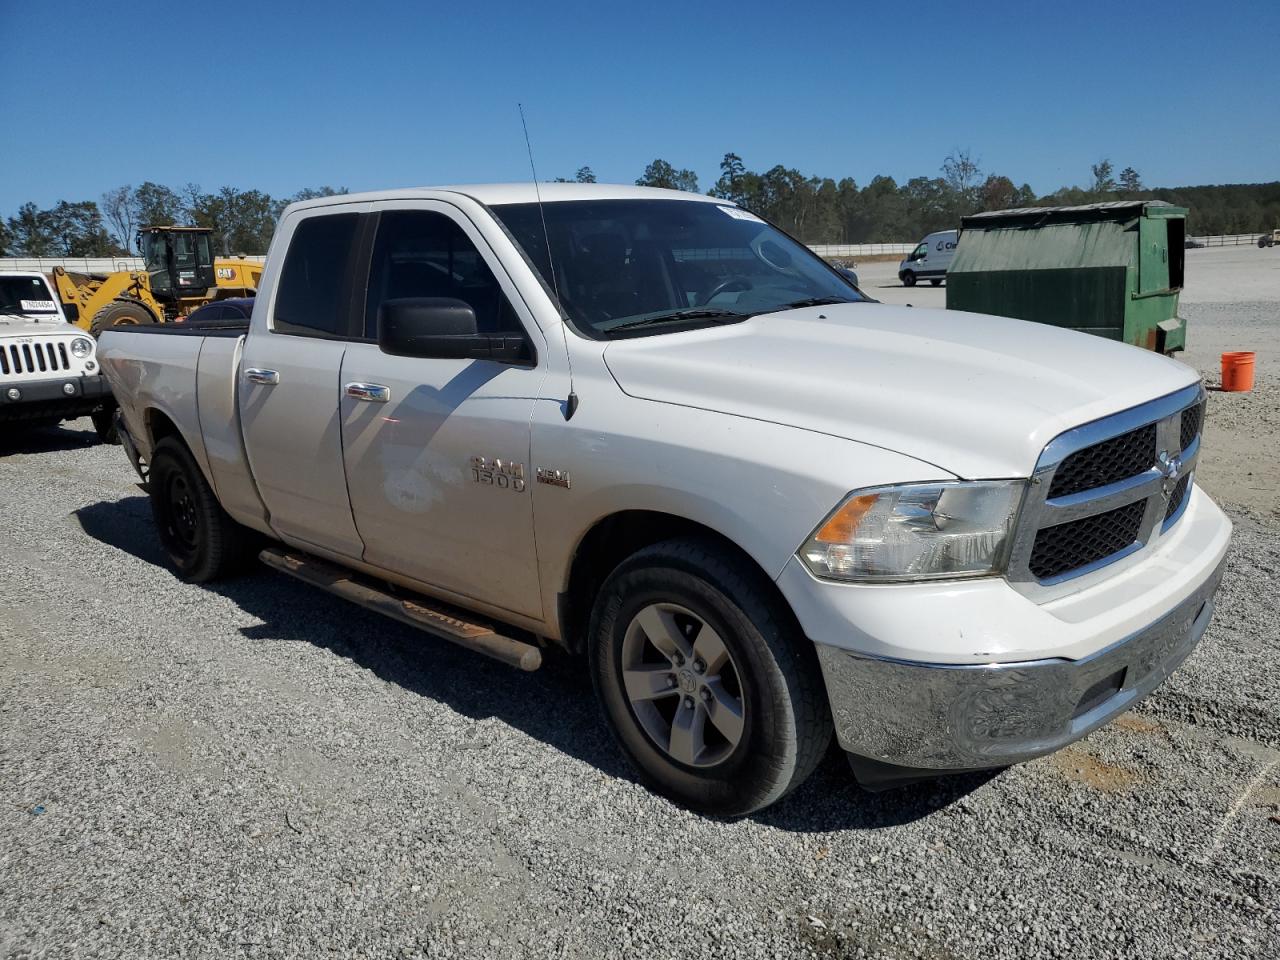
x=259, y=770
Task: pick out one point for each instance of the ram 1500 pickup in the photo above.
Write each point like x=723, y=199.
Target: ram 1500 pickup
x=48, y=368
x=649, y=427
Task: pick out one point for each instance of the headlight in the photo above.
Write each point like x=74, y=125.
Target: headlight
x=81, y=347
x=917, y=532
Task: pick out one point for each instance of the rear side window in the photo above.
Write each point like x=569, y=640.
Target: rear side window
x=315, y=286
x=419, y=253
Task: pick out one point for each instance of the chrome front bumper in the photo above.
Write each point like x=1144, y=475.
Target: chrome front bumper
x=942, y=717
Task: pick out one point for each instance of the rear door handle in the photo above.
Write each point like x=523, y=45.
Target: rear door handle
x=258, y=375
x=369, y=392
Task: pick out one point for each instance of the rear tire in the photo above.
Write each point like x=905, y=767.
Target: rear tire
x=704, y=679
x=120, y=313
x=908, y=278
x=202, y=542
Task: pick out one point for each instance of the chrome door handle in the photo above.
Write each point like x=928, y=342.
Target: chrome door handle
x=370, y=392
x=258, y=375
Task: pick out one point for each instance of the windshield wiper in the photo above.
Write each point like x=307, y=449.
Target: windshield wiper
x=812, y=302
x=691, y=313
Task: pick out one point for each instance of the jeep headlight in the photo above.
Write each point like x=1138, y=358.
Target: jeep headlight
x=81, y=347
x=917, y=532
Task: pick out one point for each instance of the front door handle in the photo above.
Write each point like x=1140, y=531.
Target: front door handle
x=369, y=392
x=258, y=375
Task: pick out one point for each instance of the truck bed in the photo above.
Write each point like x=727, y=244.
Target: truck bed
x=186, y=374
x=207, y=328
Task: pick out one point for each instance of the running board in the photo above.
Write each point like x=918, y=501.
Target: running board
x=341, y=582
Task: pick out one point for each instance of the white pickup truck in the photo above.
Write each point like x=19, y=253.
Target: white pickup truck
x=649, y=427
x=48, y=368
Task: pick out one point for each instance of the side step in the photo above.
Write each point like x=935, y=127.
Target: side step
x=479, y=637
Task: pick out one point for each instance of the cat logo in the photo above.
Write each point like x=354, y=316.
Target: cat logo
x=226, y=273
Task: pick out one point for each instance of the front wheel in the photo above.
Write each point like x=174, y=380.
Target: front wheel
x=908, y=279
x=704, y=679
x=120, y=313
x=202, y=542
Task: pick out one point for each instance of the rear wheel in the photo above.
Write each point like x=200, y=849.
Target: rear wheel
x=120, y=313
x=202, y=542
x=908, y=278
x=704, y=680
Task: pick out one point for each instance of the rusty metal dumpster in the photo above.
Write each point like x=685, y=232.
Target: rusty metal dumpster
x=1110, y=269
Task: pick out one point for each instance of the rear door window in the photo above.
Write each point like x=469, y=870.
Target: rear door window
x=314, y=298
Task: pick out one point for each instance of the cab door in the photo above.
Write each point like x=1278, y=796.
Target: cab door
x=288, y=389
x=437, y=450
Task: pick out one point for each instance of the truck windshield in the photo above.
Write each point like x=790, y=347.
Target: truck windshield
x=27, y=296
x=627, y=267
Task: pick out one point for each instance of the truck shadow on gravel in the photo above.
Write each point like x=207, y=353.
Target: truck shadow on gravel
x=18, y=439
x=555, y=704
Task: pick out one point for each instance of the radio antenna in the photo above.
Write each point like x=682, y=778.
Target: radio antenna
x=571, y=404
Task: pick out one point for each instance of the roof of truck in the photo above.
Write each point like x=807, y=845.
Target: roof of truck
x=499, y=193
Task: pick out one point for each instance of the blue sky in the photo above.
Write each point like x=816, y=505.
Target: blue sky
x=375, y=94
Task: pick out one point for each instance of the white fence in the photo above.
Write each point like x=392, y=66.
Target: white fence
x=1230, y=240
x=81, y=264
x=860, y=249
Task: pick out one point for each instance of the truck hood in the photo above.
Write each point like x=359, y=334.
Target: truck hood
x=27, y=325
x=978, y=396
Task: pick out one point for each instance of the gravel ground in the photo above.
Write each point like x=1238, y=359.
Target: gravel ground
x=260, y=770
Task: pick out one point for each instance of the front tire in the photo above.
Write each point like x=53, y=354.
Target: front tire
x=202, y=542
x=120, y=313
x=705, y=680
x=908, y=278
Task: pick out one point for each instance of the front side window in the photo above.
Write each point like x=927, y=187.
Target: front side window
x=419, y=253
x=623, y=267
x=314, y=294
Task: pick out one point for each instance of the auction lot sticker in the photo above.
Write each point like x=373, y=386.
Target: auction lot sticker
x=38, y=306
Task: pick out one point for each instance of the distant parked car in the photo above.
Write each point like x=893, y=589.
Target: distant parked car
x=235, y=310
x=1269, y=239
x=847, y=272
x=1192, y=243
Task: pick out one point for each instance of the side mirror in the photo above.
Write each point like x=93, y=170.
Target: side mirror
x=442, y=328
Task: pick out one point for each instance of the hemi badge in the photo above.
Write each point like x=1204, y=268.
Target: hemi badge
x=557, y=478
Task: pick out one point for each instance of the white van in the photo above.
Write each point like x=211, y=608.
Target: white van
x=930, y=260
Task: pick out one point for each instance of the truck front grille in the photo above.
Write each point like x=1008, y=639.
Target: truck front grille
x=1175, y=499
x=1108, y=462
x=1108, y=489
x=1078, y=543
x=35, y=357
x=1192, y=421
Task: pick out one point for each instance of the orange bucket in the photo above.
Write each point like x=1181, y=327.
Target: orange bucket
x=1237, y=372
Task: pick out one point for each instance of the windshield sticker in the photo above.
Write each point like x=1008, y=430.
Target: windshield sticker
x=740, y=214
x=38, y=306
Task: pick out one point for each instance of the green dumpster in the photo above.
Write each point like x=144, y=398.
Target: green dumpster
x=1111, y=269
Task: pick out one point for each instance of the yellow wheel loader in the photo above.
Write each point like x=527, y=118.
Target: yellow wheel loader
x=180, y=274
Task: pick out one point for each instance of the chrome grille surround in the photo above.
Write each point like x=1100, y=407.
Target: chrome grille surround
x=1171, y=464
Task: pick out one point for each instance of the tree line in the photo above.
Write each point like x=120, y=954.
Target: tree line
x=815, y=209
x=242, y=221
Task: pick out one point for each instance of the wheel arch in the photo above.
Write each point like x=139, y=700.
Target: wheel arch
x=612, y=539
x=160, y=425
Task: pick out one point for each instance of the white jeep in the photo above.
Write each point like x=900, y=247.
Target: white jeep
x=48, y=368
